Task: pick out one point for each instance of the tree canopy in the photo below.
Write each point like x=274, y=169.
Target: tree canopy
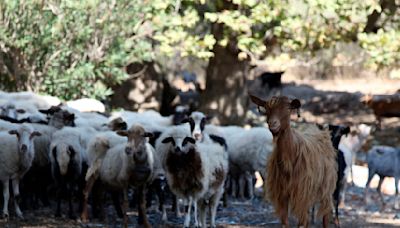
x=81, y=48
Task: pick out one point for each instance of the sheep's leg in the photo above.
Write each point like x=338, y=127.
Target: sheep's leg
x=6, y=197
x=70, y=190
x=176, y=206
x=202, y=213
x=142, y=219
x=242, y=185
x=161, y=202
x=15, y=186
x=396, y=200
x=213, y=207
x=381, y=178
x=370, y=176
x=233, y=187
x=58, y=194
x=188, y=209
x=125, y=205
x=195, y=214
x=86, y=192
x=117, y=203
x=250, y=185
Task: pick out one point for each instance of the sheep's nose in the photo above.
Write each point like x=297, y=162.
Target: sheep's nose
x=197, y=136
x=177, y=149
x=24, y=148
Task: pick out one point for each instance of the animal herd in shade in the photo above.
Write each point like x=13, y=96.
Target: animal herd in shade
x=49, y=149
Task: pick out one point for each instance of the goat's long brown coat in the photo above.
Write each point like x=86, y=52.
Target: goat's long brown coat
x=302, y=170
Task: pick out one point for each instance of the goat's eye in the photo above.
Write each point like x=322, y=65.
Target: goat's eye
x=262, y=110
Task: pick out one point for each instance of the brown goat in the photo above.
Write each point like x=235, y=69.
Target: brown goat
x=383, y=106
x=302, y=169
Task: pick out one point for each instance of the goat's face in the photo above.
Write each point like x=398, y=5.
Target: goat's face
x=136, y=145
x=25, y=135
x=277, y=110
x=197, y=121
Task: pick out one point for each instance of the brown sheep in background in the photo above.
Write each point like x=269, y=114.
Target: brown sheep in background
x=302, y=169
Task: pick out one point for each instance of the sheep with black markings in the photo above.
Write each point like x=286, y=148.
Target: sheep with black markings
x=16, y=156
x=195, y=171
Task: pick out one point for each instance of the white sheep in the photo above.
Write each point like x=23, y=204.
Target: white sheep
x=122, y=165
x=248, y=150
x=87, y=105
x=16, y=156
x=195, y=171
x=350, y=145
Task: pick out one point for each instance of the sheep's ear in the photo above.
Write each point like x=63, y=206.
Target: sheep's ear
x=20, y=111
x=295, y=104
x=190, y=140
x=257, y=100
x=13, y=132
x=148, y=134
x=346, y=130
x=35, y=133
x=123, y=133
x=186, y=120
x=70, y=116
x=168, y=140
x=71, y=151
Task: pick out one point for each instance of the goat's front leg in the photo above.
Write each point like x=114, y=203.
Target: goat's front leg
x=284, y=213
x=6, y=197
x=188, y=209
x=15, y=186
x=195, y=214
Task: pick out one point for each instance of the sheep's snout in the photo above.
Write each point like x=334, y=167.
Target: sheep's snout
x=198, y=136
x=178, y=149
x=140, y=156
x=24, y=148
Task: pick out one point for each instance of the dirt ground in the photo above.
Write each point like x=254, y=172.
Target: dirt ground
x=335, y=101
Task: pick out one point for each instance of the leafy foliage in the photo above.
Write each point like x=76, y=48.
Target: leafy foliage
x=81, y=48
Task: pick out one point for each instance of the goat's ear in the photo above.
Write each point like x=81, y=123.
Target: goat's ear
x=257, y=101
x=295, y=104
x=148, y=134
x=35, y=133
x=123, y=133
x=168, y=140
x=13, y=132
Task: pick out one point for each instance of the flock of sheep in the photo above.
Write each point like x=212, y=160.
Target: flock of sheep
x=83, y=155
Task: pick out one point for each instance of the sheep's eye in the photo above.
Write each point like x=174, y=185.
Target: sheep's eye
x=262, y=110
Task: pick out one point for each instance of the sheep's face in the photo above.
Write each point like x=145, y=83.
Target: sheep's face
x=64, y=155
x=197, y=122
x=61, y=118
x=9, y=110
x=277, y=111
x=179, y=145
x=117, y=124
x=337, y=131
x=25, y=135
x=136, y=145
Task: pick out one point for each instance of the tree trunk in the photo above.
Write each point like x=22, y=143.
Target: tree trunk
x=225, y=96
